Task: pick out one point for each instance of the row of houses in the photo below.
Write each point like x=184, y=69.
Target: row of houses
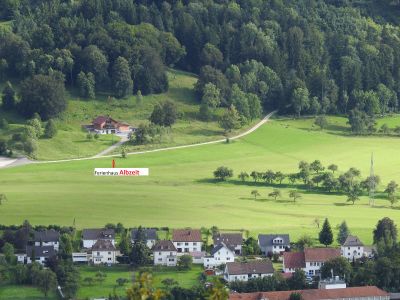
x=99, y=247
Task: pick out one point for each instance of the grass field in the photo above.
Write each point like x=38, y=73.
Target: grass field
x=71, y=141
x=180, y=191
x=186, y=279
x=17, y=292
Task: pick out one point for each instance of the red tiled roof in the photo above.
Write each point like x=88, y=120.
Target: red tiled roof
x=347, y=293
x=100, y=120
x=320, y=254
x=186, y=235
x=250, y=267
x=294, y=260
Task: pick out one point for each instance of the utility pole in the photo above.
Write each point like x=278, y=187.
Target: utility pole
x=372, y=182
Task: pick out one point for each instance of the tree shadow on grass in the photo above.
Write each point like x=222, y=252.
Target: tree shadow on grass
x=342, y=204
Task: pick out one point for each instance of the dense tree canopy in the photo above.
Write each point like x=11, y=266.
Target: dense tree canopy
x=297, y=56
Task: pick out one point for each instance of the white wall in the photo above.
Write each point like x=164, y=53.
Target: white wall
x=186, y=247
x=165, y=258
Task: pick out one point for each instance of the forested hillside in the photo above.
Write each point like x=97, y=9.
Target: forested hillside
x=302, y=56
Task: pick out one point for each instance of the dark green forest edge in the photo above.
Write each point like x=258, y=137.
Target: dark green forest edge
x=300, y=57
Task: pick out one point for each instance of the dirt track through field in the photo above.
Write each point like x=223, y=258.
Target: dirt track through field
x=24, y=161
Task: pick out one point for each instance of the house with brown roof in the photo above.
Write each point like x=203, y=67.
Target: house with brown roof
x=232, y=240
x=106, y=125
x=310, y=260
x=352, y=248
x=165, y=253
x=243, y=271
x=353, y=293
x=92, y=235
x=187, y=240
x=103, y=252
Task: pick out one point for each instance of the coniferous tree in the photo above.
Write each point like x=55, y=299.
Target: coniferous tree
x=326, y=235
x=343, y=233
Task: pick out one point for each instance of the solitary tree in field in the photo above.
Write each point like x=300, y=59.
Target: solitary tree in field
x=88, y=280
x=243, y=176
x=353, y=194
x=295, y=195
x=222, y=173
x=100, y=276
x=316, y=222
x=333, y=168
x=275, y=194
x=343, y=233
x=321, y=121
x=326, y=235
x=3, y=198
x=391, y=189
x=255, y=193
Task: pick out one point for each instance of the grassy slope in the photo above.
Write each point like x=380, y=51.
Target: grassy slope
x=179, y=192
x=186, y=279
x=13, y=292
x=71, y=140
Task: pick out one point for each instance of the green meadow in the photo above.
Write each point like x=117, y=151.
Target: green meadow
x=71, y=141
x=186, y=279
x=181, y=192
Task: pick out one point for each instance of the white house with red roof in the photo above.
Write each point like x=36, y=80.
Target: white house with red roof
x=310, y=260
x=187, y=240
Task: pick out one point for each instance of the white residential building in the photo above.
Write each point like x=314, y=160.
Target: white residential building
x=103, y=252
x=165, y=254
x=273, y=243
x=232, y=240
x=352, y=248
x=243, y=271
x=91, y=236
x=38, y=254
x=187, y=240
x=310, y=260
x=47, y=238
x=220, y=255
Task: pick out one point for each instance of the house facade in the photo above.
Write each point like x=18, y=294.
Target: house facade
x=91, y=236
x=310, y=260
x=47, y=238
x=232, y=240
x=273, y=243
x=243, y=271
x=38, y=254
x=187, y=240
x=165, y=254
x=220, y=255
x=352, y=248
x=106, y=125
x=149, y=234
x=103, y=252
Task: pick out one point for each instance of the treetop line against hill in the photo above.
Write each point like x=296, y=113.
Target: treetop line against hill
x=297, y=56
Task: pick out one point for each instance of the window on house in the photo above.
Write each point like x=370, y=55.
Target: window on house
x=186, y=244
